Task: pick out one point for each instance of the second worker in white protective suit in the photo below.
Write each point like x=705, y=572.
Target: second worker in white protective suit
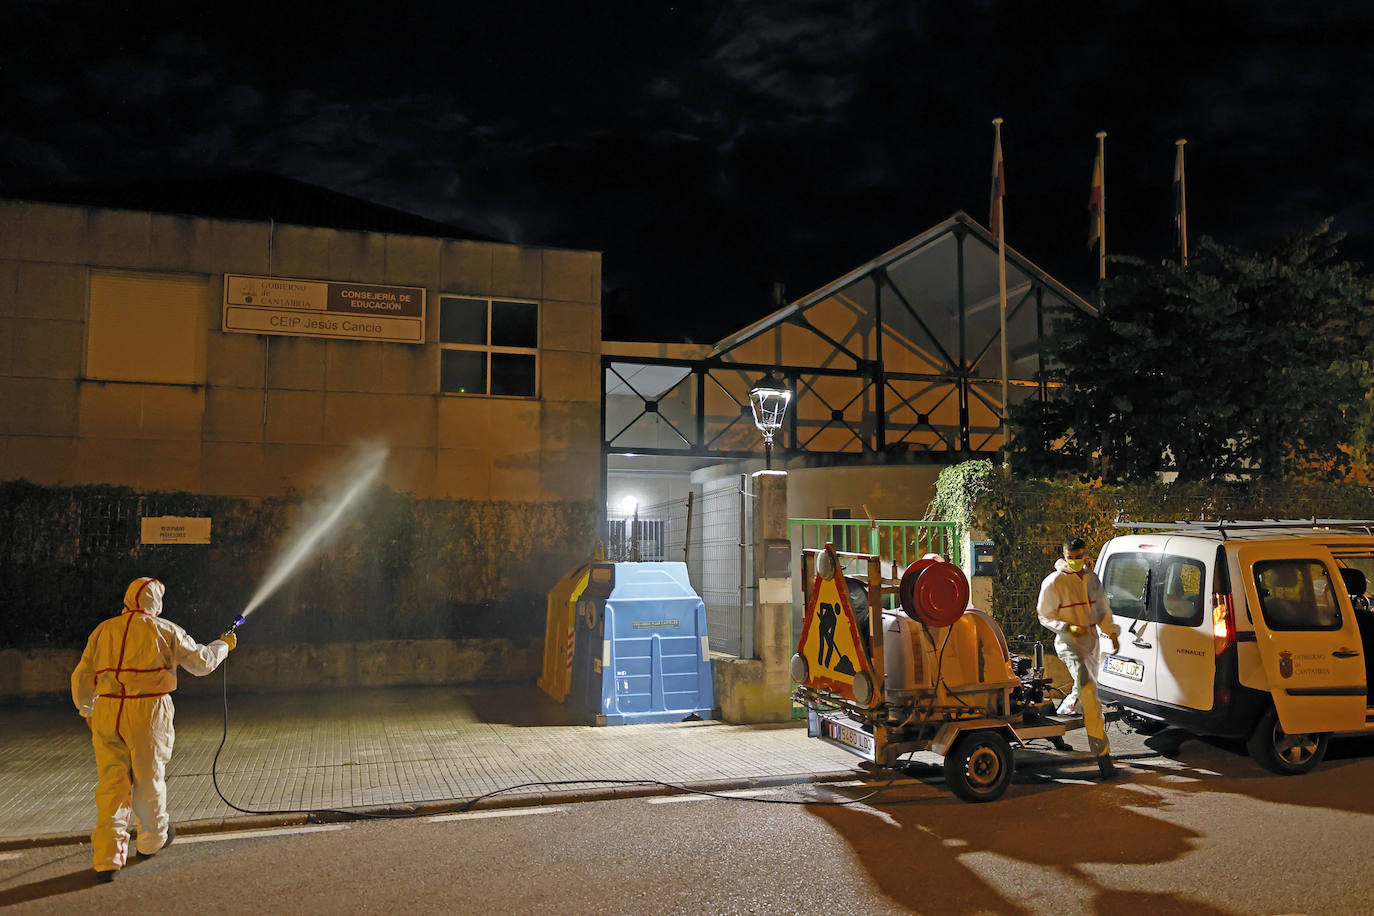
x=123, y=686
x=1074, y=605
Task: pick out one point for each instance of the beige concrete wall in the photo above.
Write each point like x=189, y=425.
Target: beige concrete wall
x=390, y=663
x=267, y=414
x=889, y=491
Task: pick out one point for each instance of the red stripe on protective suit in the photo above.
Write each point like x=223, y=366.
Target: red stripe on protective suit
x=139, y=594
x=119, y=667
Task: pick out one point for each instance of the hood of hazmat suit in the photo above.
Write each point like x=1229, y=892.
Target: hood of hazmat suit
x=144, y=595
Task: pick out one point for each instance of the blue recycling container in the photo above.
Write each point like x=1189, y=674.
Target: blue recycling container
x=640, y=653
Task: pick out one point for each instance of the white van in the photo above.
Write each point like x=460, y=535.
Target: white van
x=1258, y=630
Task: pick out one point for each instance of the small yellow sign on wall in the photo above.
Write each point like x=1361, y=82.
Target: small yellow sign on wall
x=173, y=529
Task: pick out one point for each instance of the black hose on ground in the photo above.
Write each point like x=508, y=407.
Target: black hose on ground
x=467, y=805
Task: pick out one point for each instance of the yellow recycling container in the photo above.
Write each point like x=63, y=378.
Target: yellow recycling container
x=558, y=633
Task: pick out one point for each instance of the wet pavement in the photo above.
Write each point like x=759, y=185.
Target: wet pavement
x=290, y=758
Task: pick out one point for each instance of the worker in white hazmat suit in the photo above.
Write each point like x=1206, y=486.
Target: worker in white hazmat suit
x=1074, y=605
x=122, y=686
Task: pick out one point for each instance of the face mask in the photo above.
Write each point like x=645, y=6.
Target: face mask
x=1076, y=566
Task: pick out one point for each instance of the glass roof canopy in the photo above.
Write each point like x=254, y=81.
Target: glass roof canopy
x=898, y=360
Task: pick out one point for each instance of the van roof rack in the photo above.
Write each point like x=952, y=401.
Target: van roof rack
x=1239, y=526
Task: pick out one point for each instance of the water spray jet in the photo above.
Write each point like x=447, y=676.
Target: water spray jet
x=359, y=475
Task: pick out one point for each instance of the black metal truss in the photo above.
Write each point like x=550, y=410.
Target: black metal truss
x=701, y=437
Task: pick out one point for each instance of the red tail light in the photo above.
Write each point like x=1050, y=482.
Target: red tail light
x=1223, y=623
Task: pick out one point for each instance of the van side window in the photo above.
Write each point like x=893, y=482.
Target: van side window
x=1174, y=587
x=1124, y=581
x=1297, y=595
x=1180, y=591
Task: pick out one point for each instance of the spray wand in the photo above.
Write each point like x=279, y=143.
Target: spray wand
x=238, y=622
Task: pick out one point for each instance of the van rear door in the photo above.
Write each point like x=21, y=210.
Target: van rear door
x=1186, y=671
x=1307, y=635
x=1127, y=577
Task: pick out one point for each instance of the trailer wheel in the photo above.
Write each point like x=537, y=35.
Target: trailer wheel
x=979, y=766
x=1282, y=753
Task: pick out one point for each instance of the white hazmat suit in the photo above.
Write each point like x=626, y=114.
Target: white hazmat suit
x=1074, y=606
x=123, y=686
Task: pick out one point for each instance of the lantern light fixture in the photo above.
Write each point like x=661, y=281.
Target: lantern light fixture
x=769, y=399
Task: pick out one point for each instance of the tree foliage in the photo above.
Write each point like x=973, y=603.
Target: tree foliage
x=1240, y=364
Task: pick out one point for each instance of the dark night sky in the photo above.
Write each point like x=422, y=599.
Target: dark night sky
x=710, y=149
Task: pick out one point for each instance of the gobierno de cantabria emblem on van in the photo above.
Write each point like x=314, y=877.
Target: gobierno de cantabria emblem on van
x=1285, y=663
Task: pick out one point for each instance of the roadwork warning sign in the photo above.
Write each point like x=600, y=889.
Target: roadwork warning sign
x=830, y=639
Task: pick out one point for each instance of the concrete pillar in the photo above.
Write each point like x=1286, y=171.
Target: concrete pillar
x=772, y=571
x=759, y=689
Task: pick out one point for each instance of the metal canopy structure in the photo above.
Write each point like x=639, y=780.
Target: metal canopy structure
x=898, y=360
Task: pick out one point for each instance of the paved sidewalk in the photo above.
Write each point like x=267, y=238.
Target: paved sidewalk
x=402, y=749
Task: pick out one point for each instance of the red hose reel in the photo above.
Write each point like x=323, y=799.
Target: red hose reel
x=934, y=591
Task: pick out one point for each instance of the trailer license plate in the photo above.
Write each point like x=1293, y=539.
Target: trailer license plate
x=1124, y=667
x=849, y=736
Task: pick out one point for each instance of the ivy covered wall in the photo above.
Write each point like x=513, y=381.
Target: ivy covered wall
x=1028, y=520
x=398, y=567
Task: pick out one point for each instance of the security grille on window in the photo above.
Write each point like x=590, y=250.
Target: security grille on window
x=488, y=346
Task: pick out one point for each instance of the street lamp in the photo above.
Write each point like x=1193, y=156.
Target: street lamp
x=769, y=399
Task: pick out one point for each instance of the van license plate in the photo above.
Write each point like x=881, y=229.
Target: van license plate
x=856, y=739
x=1124, y=667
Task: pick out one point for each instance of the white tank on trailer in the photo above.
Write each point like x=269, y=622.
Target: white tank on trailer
x=940, y=650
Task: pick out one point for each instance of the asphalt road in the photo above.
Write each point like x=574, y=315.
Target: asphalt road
x=1199, y=829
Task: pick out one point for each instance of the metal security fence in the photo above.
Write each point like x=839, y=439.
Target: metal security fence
x=68, y=552
x=711, y=531
x=74, y=526
x=646, y=538
x=727, y=586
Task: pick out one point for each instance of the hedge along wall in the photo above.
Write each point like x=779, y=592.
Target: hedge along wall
x=397, y=567
x=1028, y=520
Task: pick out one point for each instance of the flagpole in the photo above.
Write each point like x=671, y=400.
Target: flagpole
x=1182, y=215
x=1002, y=280
x=1102, y=210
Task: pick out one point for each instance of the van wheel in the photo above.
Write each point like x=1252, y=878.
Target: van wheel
x=979, y=767
x=1282, y=753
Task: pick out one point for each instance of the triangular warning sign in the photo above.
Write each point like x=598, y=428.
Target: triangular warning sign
x=830, y=639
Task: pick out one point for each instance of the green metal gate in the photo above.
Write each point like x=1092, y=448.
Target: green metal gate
x=896, y=541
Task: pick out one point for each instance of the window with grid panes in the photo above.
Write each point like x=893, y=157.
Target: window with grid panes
x=488, y=347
